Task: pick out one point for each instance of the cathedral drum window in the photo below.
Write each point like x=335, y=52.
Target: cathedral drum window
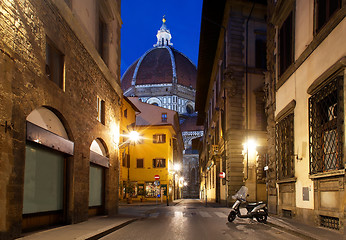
x=189, y=109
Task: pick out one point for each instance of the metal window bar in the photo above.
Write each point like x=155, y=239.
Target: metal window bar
x=325, y=127
x=285, y=147
x=329, y=222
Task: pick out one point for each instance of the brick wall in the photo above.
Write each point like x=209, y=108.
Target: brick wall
x=24, y=87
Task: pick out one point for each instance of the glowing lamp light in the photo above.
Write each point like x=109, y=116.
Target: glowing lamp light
x=250, y=145
x=250, y=150
x=177, y=167
x=134, y=136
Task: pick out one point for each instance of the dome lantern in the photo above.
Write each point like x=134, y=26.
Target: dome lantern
x=163, y=35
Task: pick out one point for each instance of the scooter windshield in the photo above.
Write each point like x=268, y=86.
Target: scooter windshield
x=241, y=194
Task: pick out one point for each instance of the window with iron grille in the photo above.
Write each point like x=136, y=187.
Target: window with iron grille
x=329, y=222
x=325, y=124
x=285, y=147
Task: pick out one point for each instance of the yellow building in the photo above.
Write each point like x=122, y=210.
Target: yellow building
x=128, y=121
x=159, y=148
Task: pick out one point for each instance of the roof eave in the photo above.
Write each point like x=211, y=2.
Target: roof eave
x=212, y=17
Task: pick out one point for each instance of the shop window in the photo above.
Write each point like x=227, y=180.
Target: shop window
x=324, y=11
x=140, y=163
x=54, y=64
x=96, y=175
x=286, y=44
x=326, y=127
x=159, y=138
x=141, y=191
x=101, y=111
x=159, y=163
x=150, y=189
x=164, y=117
x=43, y=180
x=284, y=147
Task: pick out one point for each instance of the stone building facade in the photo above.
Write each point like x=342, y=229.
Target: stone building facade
x=230, y=99
x=165, y=77
x=305, y=93
x=60, y=109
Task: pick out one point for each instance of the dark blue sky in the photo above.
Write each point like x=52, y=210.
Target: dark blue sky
x=142, y=19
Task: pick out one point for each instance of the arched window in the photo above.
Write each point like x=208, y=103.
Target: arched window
x=99, y=162
x=46, y=149
x=189, y=109
x=193, y=175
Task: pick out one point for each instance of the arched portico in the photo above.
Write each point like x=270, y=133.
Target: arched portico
x=99, y=164
x=45, y=174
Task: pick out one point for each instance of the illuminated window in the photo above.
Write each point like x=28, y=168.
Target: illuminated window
x=159, y=138
x=159, y=163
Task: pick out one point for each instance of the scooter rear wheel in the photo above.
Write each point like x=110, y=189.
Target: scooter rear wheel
x=262, y=218
x=231, y=216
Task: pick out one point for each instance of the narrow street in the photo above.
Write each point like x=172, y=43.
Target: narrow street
x=190, y=219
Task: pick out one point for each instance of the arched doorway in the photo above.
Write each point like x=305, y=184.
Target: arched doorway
x=99, y=163
x=45, y=181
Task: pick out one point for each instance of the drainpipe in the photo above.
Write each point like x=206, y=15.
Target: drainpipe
x=246, y=91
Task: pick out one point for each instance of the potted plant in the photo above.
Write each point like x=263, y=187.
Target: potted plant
x=130, y=190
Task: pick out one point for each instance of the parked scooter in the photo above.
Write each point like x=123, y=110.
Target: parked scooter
x=257, y=210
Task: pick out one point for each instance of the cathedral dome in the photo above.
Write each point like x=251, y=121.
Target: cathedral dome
x=161, y=65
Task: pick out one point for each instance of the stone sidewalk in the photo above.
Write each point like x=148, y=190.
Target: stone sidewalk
x=94, y=228
x=304, y=231
x=97, y=227
x=299, y=229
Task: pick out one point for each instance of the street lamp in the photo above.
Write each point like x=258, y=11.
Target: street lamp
x=176, y=169
x=132, y=137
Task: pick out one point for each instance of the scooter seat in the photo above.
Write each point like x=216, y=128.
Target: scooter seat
x=254, y=204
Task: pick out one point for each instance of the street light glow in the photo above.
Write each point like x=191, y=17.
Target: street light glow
x=134, y=136
x=177, y=167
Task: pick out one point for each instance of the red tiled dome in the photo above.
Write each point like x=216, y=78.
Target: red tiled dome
x=160, y=65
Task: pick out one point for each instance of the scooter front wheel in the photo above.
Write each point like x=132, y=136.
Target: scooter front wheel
x=231, y=216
